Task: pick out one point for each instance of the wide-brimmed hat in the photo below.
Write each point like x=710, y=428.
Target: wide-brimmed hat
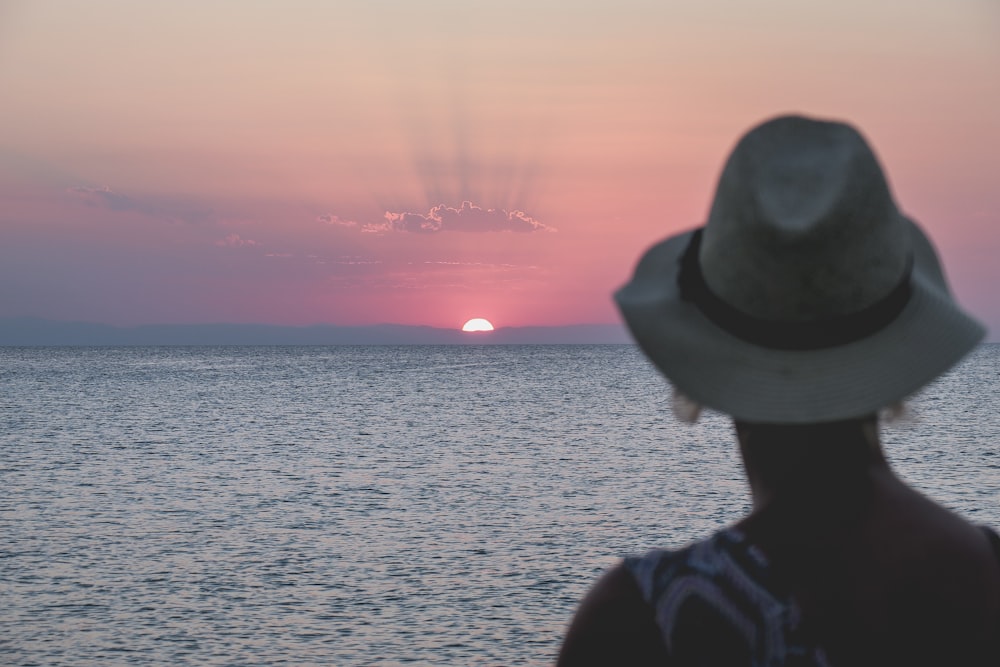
x=807, y=296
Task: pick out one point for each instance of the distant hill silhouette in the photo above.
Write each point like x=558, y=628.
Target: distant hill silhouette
x=40, y=332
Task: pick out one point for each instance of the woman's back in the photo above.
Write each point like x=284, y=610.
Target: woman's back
x=877, y=568
x=840, y=563
x=901, y=581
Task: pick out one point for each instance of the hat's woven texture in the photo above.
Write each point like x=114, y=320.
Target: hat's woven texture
x=803, y=234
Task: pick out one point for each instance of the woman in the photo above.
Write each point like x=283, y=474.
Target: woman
x=805, y=305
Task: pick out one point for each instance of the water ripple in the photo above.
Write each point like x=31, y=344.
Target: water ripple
x=370, y=506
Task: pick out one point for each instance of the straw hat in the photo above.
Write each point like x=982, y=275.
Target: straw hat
x=806, y=297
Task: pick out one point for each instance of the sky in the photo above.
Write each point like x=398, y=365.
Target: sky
x=366, y=161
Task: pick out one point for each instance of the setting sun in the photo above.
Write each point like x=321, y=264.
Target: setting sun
x=477, y=324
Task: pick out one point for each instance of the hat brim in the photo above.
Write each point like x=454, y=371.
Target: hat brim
x=760, y=384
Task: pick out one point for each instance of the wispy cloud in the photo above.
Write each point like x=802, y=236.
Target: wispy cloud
x=483, y=265
x=355, y=260
x=103, y=198
x=467, y=218
x=163, y=209
x=336, y=220
x=236, y=241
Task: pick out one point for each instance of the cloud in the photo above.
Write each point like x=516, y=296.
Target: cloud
x=331, y=219
x=482, y=265
x=355, y=260
x=376, y=227
x=163, y=209
x=235, y=241
x=467, y=218
x=103, y=198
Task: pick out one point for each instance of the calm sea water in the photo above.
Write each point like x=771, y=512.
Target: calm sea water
x=371, y=506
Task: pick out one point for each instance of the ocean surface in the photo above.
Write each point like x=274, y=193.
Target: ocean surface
x=371, y=505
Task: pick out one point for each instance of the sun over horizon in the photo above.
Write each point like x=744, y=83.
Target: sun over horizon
x=477, y=324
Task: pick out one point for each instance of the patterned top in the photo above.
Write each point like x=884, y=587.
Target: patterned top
x=718, y=602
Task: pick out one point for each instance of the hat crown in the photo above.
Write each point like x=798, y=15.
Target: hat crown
x=807, y=297
x=803, y=226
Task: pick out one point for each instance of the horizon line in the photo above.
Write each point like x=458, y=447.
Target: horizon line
x=28, y=332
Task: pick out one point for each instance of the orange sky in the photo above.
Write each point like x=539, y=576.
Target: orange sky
x=267, y=162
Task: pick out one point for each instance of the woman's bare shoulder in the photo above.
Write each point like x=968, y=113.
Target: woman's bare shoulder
x=613, y=626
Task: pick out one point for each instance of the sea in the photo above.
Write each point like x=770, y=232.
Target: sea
x=372, y=505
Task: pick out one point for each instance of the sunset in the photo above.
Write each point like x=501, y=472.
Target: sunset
x=356, y=163
x=478, y=324
x=465, y=332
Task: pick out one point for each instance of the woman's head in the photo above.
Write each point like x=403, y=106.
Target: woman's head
x=807, y=297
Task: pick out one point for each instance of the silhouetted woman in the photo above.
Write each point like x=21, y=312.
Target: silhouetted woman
x=806, y=304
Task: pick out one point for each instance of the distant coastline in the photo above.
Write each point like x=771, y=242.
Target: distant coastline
x=42, y=332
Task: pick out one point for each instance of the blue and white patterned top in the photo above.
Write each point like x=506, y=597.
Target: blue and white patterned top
x=718, y=602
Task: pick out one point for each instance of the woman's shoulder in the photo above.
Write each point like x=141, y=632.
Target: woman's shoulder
x=613, y=625
x=720, y=600
x=714, y=559
x=723, y=597
x=626, y=617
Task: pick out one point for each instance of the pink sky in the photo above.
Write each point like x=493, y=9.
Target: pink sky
x=304, y=162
